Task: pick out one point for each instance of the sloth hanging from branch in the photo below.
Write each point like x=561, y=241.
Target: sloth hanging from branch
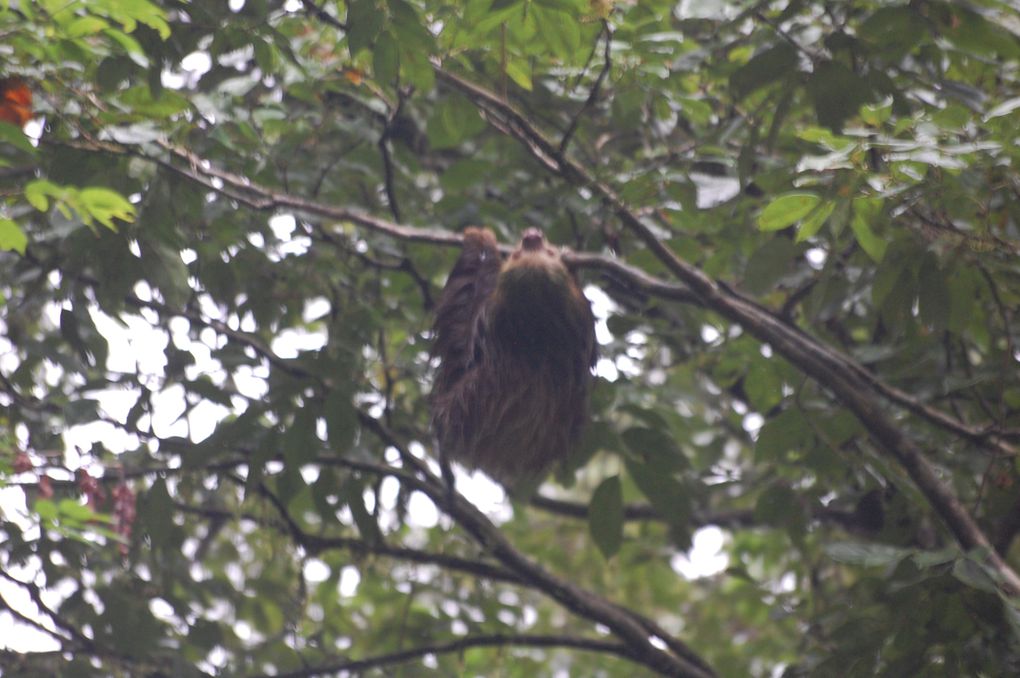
x=516, y=341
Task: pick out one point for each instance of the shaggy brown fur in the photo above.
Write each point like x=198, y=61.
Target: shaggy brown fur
x=516, y=342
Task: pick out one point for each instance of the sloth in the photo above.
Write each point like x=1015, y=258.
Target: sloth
x=516, y=344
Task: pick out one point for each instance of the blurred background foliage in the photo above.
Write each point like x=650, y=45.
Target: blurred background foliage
x=198, y=379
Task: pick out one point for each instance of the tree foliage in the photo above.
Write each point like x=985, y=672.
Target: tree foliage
x=219, y=252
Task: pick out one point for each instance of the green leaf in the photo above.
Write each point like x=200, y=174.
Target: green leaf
x=963, y=296
x=105, y=205
x=933, y=295
x=223, y=439
x=128, y=44
x=899, y=262
x=417, y=69
x=300, y=444
x=87, y=25
x=132, y=12
x=825, y=138
x=520, y=73
x=156, y=511
x=166, y=105
x=204, y=387
x=838, y=427
x=1005, y=108
x=453, y=120
x=559, y=31
x=12, y=237
x=576, y=6
x=654, y=444
x=698, y=111
x=499, y=13
x=167, y=271
x=341, y=420
x=289, y=483
x=768, y=264
x=763, y=385
x=788, y=432
x=663, y=491
x=463, y=173
x=837, y=92
x=205, y=634
x=929, y=559
x=895, y=28
x=972, y=32
x=38, y=193
x=1011, y=609
x=764, y=68
x=46, y=510
x=810, y=225
x=364, y=21
x=15, y=136
x=73, y=511
x=867, y=211
x=786, y=210
x=974, y=575
x=866, y=555
x=605, y=516
x=386, y=59
x=410, y=28
x=780, y=507
x=352, y=494
x=265, y=55
x=876, y=114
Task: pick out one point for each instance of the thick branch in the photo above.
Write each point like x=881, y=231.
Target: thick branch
x=707, y=292
x=850, y=382
x=847, y=380
x=635, y=630
x=700, y=289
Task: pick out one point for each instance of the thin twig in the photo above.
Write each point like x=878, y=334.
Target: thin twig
x=483, y=640
x=593, y=95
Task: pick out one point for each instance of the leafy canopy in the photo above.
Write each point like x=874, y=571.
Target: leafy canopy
x=219, y=250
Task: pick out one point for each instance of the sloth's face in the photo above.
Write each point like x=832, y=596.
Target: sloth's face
x=533, y=243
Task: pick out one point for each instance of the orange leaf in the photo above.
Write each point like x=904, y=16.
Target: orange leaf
x=15, y=101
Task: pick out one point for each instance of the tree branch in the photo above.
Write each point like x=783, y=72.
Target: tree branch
x=706, y=291
x=726, y=519
x=850, y=382
x=635, y=630
x=70, y=629
x=593, y=95
x=484, y=640
x=315, y=544
x=29, y=621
